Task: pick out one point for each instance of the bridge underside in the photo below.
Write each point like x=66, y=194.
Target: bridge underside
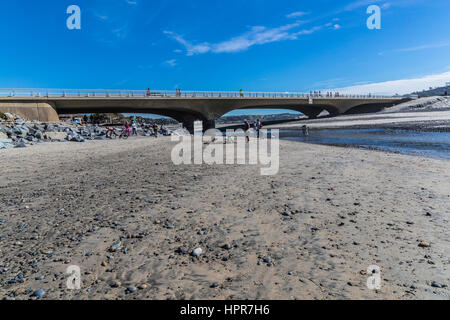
x=207, y=110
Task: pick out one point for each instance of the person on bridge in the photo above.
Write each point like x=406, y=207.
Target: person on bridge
x=241, y=93
x=148, y=92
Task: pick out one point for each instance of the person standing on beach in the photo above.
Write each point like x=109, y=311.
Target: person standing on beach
x=247, y=130
x=155, y=130
x=127, y=128
x=259, y=126
x=134, y=129
x=305, y=130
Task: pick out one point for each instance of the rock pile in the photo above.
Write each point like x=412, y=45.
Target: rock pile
x=15, y=132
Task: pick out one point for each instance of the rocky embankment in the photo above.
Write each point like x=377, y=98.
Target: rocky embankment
x=18, y=133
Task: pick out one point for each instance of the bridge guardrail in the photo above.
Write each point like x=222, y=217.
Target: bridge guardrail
x=100, y=93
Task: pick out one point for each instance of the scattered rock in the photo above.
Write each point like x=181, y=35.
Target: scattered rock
x=226, y=246
x=197, y=252
x=115, y=246
x=181, y=250
x=424, y=244
x=131, y=289
x=435, y=284
x=39, y=294
x=19, y=292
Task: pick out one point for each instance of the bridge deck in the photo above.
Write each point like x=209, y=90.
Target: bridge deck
x=98, y=93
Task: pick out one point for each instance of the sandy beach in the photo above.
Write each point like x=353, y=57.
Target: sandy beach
x=65, y=204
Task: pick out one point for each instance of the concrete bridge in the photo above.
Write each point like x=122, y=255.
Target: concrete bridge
x=185, y=106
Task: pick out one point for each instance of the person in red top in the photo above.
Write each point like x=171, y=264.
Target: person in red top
x=127, y=128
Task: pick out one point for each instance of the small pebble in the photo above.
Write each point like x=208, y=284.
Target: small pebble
x=131, y=289
x=424, y=244
x=197, y=252
x=39, y=293
x=287, y=213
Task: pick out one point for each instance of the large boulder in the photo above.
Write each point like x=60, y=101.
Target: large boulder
x=9, y=116
x=38, y=134
x=21, y=145
x=20, y=132
x=55, y=135
x=77, y=138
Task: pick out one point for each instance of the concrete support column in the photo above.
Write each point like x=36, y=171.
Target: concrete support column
x=188, y=122
x=39, y=111
x=209, y=124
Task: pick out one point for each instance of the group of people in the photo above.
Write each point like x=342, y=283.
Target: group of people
x=327, y=94
x=132, y=129
x=256, y=125
x=177, y=92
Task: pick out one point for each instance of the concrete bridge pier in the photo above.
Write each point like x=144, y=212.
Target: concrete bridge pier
x=31, y=110
x=208, y=124
x=188, y=122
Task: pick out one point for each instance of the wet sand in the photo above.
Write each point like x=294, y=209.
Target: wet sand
x=65, y=204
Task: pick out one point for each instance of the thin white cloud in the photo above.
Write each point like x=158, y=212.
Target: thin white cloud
x=404, y=86
x=171, y=63
x=360, y=3
x=102, y=17
x=297, y=14
x=131, y=2
x=418, y=48
x=121, y=32
x=257, y=35
x=382, y=3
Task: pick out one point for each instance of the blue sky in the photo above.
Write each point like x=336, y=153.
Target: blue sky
x=257, y=45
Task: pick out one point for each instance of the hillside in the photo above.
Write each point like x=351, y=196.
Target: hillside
x=422, y=104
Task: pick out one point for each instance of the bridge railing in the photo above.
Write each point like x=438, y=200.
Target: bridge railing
x=99, y=93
